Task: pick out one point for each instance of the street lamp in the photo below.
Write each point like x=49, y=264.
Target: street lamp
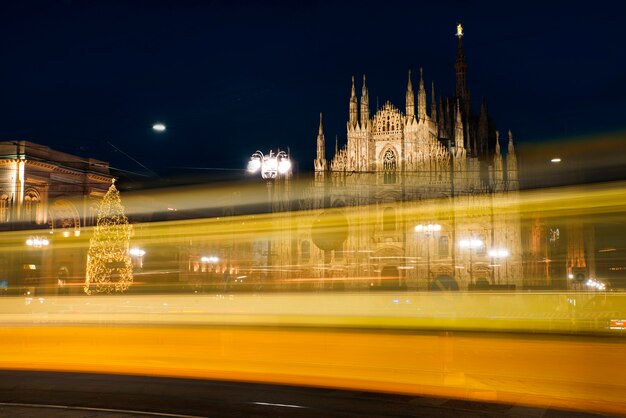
x=428, y=231
x=271, y=167
x=471, y=244
x=138, y=254
x=37, y=242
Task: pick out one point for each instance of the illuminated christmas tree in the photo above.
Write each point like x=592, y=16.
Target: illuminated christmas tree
x=109, y=266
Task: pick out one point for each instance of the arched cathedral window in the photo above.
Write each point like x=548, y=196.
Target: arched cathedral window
x=389, y=166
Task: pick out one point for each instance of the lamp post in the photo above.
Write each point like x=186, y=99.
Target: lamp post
x=271, y=167
x=471, y=244
x=428, y=231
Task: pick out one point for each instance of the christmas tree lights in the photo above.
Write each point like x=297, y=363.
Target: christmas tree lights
x=109, y=266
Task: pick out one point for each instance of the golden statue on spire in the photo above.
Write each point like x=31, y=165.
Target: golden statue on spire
x=459, y=30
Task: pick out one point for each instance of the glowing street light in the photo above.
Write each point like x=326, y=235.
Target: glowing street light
x=211, y=259
x=593, y=283
x=137, y=252
x=270, y=165
x=555, y=160
x=37, y=242
x=137, y=255
x=159, y=127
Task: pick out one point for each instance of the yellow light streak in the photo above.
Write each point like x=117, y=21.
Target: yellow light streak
x=582, y=374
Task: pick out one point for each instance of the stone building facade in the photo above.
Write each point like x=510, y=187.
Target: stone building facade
x=402, y=170
x=47, y=197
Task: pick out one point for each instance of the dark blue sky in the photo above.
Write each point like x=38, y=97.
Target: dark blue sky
x=228, y=78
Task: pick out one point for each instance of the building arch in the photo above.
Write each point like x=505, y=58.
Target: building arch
x=31, y=206
x=63, y=216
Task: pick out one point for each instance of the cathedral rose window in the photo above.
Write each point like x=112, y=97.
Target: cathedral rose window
x=389, y=161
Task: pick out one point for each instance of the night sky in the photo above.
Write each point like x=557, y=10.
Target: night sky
x=228, y=78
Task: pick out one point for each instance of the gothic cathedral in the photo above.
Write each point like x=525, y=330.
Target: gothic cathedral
x=427, y=197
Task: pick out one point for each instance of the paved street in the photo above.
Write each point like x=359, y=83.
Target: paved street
x=56, y=395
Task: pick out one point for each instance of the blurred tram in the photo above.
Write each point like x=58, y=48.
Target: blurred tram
x=240, y=298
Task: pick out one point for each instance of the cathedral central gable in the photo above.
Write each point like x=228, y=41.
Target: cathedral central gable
x=387, y=119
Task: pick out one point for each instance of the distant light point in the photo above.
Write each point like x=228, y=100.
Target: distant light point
x=159, y=127
x=555, y=160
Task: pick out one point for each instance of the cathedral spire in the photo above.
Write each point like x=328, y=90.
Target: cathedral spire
x=421, y=98
x=498, y=171
x=320, y=130
x=353, y=107
x=320, y=161
x=511, y=165
x=365, y=107
x=498, y=143
x=460, y=66
x=410, y=99
x=458, y=128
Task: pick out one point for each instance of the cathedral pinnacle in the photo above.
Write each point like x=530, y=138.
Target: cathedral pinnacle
x=459, y=138
x=421, y=98
x=497, y=142
x=320, y=161
x=353, y=107
x=410, y=100
x=510, y=145
x=321, y=129
x=365, y=106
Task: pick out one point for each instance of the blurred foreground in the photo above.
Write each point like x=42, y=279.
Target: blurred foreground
x=566, y=351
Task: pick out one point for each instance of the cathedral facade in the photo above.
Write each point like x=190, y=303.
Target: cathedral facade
x=426, y=194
